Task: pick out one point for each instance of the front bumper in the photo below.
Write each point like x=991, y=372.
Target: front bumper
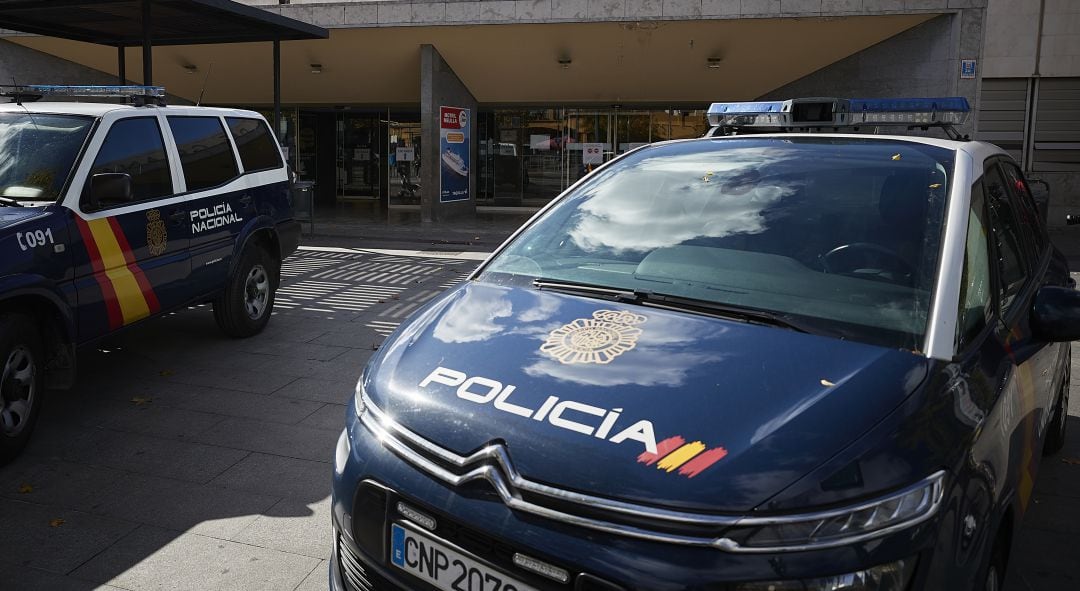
x=371, y=480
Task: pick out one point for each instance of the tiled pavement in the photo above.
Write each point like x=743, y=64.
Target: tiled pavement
x=186, y=460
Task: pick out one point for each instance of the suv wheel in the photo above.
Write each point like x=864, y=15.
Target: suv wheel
x=244, y=308
x=1055, y=432
x=21, y=383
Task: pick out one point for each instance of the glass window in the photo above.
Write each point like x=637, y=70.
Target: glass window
x=37, y=153
x=258, y=150
x=975, y=286
x=205, y=152
x=1011, y=263
x=1026, y=207
x=134, y=146
x=841, y=233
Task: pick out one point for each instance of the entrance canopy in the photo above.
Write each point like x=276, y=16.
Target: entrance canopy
x=170, y=22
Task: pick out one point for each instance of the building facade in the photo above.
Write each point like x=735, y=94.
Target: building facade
x=551, y=88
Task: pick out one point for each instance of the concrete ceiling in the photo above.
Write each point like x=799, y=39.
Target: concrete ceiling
x=628, y=62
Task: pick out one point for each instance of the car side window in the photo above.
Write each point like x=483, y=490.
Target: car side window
x=258, y=150
x=1028, y=210
x=1009, y=245
x=206, y=154
x=135, y=147
x=976, y=294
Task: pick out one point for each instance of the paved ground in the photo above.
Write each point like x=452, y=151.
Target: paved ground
x=185, y=460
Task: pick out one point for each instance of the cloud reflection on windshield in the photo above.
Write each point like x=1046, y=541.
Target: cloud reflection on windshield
x=664, y=201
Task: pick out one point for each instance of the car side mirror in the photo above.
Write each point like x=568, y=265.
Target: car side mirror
x=1055, y=316
x=110, y=188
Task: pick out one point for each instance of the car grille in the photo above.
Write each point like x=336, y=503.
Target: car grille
x=356, y=574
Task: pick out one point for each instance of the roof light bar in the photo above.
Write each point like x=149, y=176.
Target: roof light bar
x=36, y=91
x=839, y=112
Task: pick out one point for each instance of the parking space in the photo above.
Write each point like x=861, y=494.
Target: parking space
x=187, y=460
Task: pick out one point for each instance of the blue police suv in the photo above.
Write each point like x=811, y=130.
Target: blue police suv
x=111, y=214
x=746, y=362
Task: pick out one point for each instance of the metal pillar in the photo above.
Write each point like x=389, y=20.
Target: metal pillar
x=121, y=65
x=147, y=47
x=277, y=89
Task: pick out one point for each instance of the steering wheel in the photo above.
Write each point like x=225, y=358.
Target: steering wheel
x=868, y=260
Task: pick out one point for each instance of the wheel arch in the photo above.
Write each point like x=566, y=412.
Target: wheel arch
x=56, y=324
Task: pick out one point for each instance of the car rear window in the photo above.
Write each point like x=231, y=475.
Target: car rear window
x=256, y=145
x=205, y=152
x=842, y=233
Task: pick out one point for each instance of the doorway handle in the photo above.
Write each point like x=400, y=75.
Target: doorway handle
x=245, y=200
x=178, y=216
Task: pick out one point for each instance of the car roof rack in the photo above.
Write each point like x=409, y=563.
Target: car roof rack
x=839, y=114
x=140, y=96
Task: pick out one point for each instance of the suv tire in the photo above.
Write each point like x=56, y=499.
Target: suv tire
x=244, y=308
x=21, y=382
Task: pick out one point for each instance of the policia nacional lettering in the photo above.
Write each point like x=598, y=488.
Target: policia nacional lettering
x=211, y=218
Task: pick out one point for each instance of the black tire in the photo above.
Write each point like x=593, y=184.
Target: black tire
x=22, y=383
x=994, y=577
x=1055, y=431
x=244, y=308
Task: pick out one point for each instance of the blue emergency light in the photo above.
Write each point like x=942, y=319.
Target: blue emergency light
x=838, y=112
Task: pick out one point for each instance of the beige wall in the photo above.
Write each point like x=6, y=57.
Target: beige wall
x=1013, y=43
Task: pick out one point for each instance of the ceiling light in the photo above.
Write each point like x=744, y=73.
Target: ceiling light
x=191, y=69
x=714, y=62
x=564, y=62
x=316, y=68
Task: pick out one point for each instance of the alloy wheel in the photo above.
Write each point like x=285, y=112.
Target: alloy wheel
x=17, y=390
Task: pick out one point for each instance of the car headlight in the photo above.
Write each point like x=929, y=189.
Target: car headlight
x=893, y=576
x=838, y=527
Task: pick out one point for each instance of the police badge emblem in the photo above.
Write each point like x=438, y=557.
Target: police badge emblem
x=157, y=237
x=600, y=339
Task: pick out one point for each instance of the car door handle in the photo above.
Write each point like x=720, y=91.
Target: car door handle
x=245, y=200
x=178, y=216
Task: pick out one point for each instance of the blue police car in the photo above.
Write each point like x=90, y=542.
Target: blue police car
x=111, y=214
x=746, y=362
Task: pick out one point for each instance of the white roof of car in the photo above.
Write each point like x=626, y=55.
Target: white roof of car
x=100, y=109
x=978, y=151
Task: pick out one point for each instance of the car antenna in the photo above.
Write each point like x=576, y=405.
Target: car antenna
x=18, y=101
x=205, y=78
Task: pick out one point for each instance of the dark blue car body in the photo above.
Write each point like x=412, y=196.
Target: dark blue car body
x=455, y=423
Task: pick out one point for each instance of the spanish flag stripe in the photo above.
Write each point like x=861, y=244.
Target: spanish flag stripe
x=136, y=270
x=133, y=304
x=112, y=306
x=681, y=456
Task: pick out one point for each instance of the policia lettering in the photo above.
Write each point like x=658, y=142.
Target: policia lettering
x=485, y=390
x=211, y=218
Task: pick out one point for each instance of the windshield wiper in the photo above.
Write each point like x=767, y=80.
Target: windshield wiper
x=652, y=299
x=10, y=202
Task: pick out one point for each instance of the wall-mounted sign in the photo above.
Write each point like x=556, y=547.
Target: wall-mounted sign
x=592, y=153
x=362, y=154
x=967, y=69
x=454, y=148
x=405, y=154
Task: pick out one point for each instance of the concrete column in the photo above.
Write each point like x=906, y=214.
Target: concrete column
x=440, y=87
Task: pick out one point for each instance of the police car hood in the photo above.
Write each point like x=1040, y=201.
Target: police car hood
x=12, y=215
x=631, y=402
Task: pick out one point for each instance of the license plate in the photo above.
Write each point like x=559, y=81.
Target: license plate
x=444, y=566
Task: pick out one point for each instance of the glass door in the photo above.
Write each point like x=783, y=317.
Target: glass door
x=403, y=161
x=631, y=129
x=358, y=156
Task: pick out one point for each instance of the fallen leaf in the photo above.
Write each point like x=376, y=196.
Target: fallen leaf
x=57, y=522
x=896, y=156
x=935, y=186
x=166, y=373
x=25, y=489
x=827, y=383
x=1073, y=461
x=141, y=400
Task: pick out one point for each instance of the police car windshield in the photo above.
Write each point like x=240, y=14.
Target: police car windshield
x=842, y=233
x=37, y=153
